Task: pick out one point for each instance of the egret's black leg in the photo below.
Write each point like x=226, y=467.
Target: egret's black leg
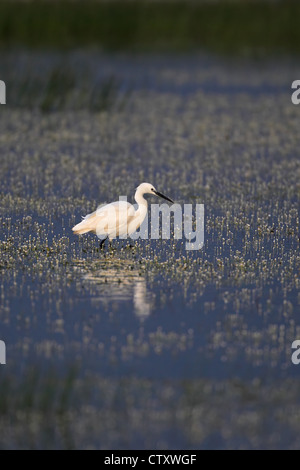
x=102, y=242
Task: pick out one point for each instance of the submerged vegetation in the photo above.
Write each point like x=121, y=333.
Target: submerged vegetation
x=98, y=412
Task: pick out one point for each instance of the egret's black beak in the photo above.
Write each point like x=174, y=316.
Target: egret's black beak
x=163, y=196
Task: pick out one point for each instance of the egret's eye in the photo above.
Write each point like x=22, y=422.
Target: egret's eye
x=152, y=189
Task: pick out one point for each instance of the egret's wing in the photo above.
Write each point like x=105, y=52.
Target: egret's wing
x=88, y=224
x=114, y=218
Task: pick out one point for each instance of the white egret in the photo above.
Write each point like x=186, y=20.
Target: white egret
x=118, y=218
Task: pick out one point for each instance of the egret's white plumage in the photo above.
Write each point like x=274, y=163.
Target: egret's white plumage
x=118, y=218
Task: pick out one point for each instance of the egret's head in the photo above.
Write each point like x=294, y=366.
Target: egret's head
x=147, y=188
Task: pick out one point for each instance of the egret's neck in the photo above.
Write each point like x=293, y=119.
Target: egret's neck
x=140, y=199
x=142, y=203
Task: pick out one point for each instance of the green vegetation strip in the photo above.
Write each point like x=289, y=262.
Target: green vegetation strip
x=224, y=28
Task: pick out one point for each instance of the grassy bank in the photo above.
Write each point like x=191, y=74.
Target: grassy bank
x=225, y=28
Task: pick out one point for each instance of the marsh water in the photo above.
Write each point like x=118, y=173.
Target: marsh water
x=146, y=344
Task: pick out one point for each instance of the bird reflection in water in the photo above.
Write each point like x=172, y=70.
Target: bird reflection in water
x=120, y=282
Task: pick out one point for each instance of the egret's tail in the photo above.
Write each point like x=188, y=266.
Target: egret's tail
x=80, y=229
x=87, y=225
